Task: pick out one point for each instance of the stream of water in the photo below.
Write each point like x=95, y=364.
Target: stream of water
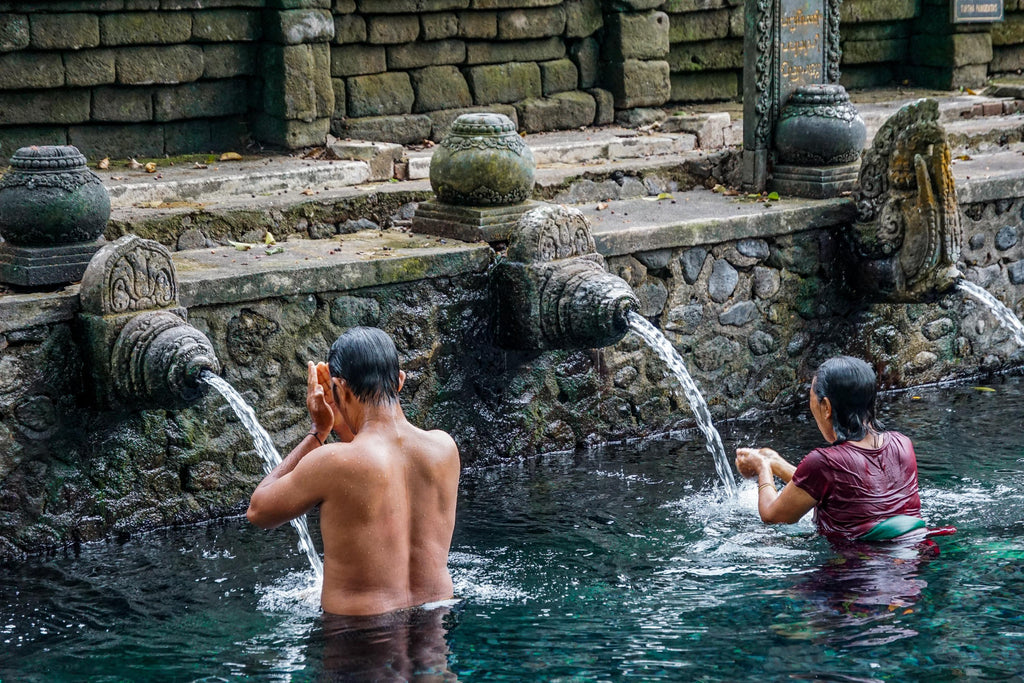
x=269, y=455
x=999, y=310
x=657, y=341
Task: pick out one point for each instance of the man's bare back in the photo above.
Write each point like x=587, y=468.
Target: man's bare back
x=387, y=523
x=387, y=496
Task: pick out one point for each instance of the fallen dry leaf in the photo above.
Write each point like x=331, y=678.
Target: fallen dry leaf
x=308, y=192
x=132, y=163
x=230, y=156
x=601, y=206
x=151, y=167
x=199, y=165
x=104, y=163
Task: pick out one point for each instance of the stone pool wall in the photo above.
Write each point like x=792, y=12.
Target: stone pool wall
x=751, y=310
x=146, y=78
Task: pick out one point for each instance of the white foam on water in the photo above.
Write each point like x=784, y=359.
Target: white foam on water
x=473, y=579
x=297, y=593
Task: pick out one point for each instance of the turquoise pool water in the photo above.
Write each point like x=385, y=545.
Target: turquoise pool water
x=622, y=563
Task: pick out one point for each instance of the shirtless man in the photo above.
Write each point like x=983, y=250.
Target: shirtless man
x=386, y=490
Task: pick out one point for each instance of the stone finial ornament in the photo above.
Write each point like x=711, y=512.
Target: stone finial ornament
x=552, y=290
x=819, y=127
x=482, y=162
x=142, y=352
x=53, y=211
x=49, y=197
x=908, y=234
x=482, y=174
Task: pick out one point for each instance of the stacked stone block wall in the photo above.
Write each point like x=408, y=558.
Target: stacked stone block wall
x=403, y=70
x=875, y=41
x=139, y=78
x=706, y=54
x=154, y=77
x=945, y=55
x=1008, y=41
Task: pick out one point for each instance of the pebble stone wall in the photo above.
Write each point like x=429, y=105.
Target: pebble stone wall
x=751, y=318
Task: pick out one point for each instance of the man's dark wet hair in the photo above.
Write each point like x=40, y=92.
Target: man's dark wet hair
x=849, y=384
x=366, y=358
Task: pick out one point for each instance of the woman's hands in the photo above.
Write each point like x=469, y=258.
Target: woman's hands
x=750, y=461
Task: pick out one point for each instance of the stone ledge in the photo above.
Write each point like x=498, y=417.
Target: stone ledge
x=225, y=275
x=22, y=311
x=636, y=225
x=988, y=177
x=366, y=259
x=243, y=181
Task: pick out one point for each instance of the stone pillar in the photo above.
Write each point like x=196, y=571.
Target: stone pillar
x=791, y=69
x=298, y=97
x=635, y=53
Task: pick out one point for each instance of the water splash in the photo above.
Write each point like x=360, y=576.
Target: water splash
x=657, y=341
x=269, y=455
x=1004, y=314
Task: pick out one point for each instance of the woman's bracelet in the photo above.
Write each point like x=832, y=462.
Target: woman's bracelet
x=316, y=436
x=761, y=486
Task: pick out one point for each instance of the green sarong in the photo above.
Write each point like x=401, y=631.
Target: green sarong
x=890, y=528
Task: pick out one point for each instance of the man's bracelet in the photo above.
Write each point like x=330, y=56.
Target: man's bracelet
x=316, y=436
x=761, y=486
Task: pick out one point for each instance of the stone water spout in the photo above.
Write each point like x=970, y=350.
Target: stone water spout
x=552, y=291
x=908, y=235
x=142, y=352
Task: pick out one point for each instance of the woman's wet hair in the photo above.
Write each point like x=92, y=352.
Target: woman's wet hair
x=366, y=358
x=849, y=385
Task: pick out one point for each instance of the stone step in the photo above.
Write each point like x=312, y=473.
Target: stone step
x=975, y=124
x=267, y=176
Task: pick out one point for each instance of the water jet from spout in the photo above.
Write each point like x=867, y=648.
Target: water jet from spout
x=657, y=341
x=998, y=309
x=268, y=453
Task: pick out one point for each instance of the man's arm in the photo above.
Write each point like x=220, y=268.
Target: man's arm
x=284, y=495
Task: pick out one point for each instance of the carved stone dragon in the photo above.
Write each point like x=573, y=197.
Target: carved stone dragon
x=908, y=234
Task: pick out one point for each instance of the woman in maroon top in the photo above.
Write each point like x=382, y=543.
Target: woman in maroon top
x=864, y=478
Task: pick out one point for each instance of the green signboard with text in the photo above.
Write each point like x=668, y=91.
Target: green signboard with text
x=965, y=11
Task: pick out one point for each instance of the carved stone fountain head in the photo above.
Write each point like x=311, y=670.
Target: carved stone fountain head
x=142, y=353
x=908, y=236
x=552, y=291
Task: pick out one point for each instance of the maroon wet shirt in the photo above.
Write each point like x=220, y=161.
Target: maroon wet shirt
x=858, y=487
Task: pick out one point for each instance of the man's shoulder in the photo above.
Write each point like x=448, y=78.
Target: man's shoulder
x=437, y=442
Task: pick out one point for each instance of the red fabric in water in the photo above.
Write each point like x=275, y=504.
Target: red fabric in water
x=858, y=487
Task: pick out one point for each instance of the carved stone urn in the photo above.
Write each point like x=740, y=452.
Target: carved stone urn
x=53, y=211
x=818, y=126
x=552, y=291
x=482, y=162
x=49, y=197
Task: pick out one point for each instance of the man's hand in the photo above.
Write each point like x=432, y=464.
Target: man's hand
x=318, y=401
